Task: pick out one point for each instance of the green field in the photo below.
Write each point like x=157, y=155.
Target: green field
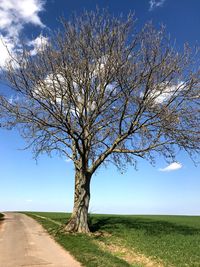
x=120, y=241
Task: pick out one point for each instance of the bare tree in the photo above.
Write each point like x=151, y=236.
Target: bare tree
x=101, y=92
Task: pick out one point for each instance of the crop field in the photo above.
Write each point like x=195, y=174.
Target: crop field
x=122, y=240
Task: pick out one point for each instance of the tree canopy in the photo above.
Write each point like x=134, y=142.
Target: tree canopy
x=99, y=91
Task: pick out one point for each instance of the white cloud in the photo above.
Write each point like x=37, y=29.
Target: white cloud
x=155, y=3
x=38, y=44
x=50, y=88
x=14, y=15
x=171, y=167
x=165, y=92
x=100, y=66
x=6, y=45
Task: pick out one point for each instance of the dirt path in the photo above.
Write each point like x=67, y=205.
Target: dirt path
x=23, y=242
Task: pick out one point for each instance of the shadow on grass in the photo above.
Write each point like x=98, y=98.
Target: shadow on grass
x=1, y=217
x=148, y=226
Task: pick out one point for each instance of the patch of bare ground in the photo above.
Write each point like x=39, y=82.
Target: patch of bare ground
x=130, y=256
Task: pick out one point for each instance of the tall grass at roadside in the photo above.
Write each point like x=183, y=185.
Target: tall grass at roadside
x=170, y=240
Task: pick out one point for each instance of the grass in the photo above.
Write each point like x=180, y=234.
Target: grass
x=131, y=240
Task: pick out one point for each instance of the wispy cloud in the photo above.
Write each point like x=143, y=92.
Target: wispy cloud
x=171, y=167
x=155, y=3
x=14, y=16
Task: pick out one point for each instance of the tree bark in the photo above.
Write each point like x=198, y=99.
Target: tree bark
x=79, y=218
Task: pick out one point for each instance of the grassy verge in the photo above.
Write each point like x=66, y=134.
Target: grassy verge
x=131, y=240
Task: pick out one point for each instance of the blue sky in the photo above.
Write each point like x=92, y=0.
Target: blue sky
x=48, y=184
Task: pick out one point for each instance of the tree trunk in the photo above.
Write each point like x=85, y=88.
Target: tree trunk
x=79, y=218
